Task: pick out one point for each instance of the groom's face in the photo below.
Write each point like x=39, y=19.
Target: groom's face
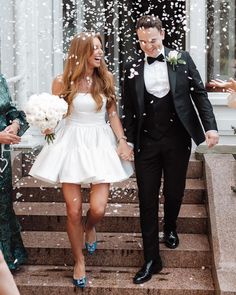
x=150, y=40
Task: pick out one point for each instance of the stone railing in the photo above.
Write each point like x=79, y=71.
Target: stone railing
x=233, y=181
x=222, y=219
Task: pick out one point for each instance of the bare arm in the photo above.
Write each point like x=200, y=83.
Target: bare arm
x=115, y=121
x=7, y=284
x=57, y=85
x=123, y=149
x=229, y=85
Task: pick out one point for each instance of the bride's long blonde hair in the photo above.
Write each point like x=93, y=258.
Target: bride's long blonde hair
x=81, y=48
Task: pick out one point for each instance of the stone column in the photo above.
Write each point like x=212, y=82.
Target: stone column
x=20, y=52
x=39, y=49
x=57, y=37
x=80, y=15
x=7, y=56
x=196, y=34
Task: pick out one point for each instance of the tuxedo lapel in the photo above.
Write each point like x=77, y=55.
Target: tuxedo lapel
x=171, y=73
x=139, y=85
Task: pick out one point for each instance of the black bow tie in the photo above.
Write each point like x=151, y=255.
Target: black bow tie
x=160, y=58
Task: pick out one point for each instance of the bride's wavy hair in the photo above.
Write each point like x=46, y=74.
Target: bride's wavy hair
x=76, y=66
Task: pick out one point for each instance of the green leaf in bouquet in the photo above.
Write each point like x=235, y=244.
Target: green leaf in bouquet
x=50, y=137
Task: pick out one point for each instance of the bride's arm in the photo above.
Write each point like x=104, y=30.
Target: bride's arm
x=123, y=149
x=56, y=90
x=57, y=85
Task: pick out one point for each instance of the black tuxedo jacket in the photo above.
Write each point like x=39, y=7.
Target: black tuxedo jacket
x=188, y=94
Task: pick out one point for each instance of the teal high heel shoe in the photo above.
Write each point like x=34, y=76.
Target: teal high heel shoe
x=81, y=283
x=91, y=247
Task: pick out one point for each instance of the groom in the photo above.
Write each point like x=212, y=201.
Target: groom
x=161, y=91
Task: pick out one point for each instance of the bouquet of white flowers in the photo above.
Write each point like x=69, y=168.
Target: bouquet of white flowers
x=45, y=111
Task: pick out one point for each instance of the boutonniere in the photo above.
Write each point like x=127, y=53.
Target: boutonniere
x=174, y=58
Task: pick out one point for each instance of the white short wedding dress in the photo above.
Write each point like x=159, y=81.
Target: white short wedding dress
x=84, y=150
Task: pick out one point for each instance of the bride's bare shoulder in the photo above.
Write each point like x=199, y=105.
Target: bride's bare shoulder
x=57, y=85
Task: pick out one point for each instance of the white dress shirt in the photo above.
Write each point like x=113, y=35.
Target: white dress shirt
x=156, y=77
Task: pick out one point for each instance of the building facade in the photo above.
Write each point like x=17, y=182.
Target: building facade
x=34, y=36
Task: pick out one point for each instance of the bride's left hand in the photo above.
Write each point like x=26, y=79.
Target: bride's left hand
x=124, y=151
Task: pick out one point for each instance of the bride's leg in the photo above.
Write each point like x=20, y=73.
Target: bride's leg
x=75, y=230
x=98, y=201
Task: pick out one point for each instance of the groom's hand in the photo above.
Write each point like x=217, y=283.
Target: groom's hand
x=212, y=138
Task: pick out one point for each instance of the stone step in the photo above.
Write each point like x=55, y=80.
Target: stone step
x=119, y=217
x=29, y=189
x=116, y=249
x=56, y=280
x=194, y=168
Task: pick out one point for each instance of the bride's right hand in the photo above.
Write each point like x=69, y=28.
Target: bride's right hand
x=48, y=131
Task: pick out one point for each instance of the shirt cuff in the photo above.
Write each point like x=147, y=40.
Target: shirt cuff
x=212, y=131
x=130, y=144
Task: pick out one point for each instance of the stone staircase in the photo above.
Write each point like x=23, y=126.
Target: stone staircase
x=41, y=211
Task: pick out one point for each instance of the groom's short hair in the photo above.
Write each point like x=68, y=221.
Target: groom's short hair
x=149, y=21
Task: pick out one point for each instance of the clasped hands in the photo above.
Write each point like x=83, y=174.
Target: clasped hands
x=125, y=151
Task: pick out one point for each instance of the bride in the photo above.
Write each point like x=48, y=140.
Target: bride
x=87, y=150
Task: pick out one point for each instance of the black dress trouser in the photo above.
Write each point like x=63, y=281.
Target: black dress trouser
x=170, y=156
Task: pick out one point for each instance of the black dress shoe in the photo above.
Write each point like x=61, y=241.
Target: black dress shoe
x=171, y=239
x=146, y=272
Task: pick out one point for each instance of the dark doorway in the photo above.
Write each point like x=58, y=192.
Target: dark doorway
x=172, y=14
